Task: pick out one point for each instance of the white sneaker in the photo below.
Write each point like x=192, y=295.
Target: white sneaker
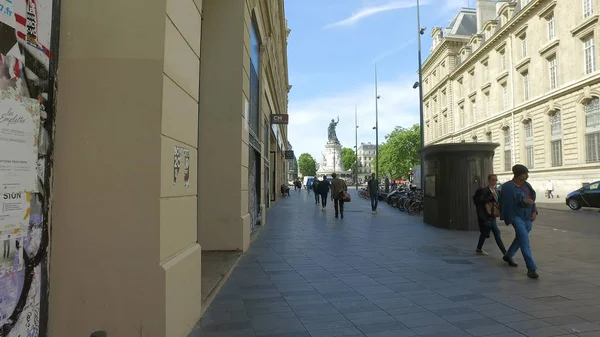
x=372, y=212
x=323, y=208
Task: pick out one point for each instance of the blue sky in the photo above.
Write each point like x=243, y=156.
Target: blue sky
x=332, y=51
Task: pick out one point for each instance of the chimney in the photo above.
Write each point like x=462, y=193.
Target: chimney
x=486, y=11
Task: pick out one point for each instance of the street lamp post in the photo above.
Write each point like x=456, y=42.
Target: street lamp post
x=421, y=31
x=356, y=146
x=376, y=128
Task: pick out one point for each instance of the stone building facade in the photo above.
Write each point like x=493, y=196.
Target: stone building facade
x=366, y=157
x=163, y=150
x=524, y=74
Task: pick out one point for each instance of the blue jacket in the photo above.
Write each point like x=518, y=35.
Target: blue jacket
x=511, y=202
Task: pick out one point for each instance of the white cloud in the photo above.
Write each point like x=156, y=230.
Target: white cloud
x=398, y=106
x=370, y=11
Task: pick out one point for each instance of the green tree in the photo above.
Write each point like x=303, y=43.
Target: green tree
x=349, y=159
x=400, y=152
x=307, y=166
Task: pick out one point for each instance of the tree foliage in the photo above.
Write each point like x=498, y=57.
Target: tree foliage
x=349, y=159
x=307, y=165
x=399, y=153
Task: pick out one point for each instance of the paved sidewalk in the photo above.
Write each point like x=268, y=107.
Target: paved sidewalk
x=389, y=275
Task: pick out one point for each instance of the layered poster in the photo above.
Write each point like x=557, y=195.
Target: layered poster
x=25, y=88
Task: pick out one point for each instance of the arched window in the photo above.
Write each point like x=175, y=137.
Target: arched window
x=592, y=130
x=507, y=150
x=556, y=139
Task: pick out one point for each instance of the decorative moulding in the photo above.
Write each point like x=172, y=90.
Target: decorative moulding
x=549, y=48
x=547, y=10
x=586, y=27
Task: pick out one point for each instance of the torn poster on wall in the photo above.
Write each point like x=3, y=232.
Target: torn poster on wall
x=27, y=82
x=179, y=152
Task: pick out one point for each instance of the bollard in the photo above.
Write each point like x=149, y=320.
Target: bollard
x=98, y=334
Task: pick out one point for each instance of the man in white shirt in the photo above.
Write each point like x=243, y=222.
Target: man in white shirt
x=549, y=189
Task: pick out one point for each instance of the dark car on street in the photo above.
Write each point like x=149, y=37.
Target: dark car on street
x=587, y=196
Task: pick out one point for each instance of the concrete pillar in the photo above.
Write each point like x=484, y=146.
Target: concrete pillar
x=124, y=256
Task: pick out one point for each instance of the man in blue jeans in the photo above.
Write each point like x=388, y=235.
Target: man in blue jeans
x=517, y=205
x=373, y=188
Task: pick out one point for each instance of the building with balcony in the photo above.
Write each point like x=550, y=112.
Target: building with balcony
x=155, y=147
x=524, y=74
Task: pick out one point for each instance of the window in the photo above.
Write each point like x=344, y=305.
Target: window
x=502, y=60
x=589, y=59
x=592, y=130
x=505, y=96
x=427, y=110
x=461, y=111
x=556, y=139
x=444, y=99
x=472, y=79
x=507, y=150
x=445, y=125
x=474, y=111
x=435, y=105
x=588, y=8
x=488, y=137
x=550, y=27
x=486, y=72
x=488, y=105
x=523, y=46
x=443, y=65
x=553, y=68
x=459, y=88
x=529, y=158
x=525, y=77
x=254, y=89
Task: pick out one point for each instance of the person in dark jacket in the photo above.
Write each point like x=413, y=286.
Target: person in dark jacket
x=486, y=199
x=315, y=188
x=373, y=188
x=324, y=186
x=517, y=208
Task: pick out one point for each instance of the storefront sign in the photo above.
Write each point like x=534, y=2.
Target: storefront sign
x=289, y=154
x=279, y=118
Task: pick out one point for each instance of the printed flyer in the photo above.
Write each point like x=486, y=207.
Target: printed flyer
x=19, y=130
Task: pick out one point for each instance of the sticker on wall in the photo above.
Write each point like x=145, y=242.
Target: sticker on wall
x=186, y=168
x=19, y=132
x=176, y=163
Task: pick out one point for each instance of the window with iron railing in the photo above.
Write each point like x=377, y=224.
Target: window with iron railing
x=507, y=150
x=529, y=155
x=556, y=139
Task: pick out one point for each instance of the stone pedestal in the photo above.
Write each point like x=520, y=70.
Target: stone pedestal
x=332, y=161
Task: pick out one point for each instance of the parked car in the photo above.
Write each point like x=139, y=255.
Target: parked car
x=587, y=196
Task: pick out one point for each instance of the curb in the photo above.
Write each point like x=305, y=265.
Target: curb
x=566, y=208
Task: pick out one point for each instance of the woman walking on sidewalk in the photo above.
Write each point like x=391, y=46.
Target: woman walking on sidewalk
x=488, y=209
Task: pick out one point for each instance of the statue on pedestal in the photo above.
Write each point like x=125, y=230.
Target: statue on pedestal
x=331, y=135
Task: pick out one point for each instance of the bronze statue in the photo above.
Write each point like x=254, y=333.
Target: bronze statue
x=331, y=135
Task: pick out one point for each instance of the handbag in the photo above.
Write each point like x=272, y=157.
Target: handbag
x=492, y=209
x=345, y=196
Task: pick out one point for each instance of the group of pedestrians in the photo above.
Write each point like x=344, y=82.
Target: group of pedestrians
x=515, y=205
x=336, y=187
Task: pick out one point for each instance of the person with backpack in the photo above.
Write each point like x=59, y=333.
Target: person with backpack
x=315, y=188
x=486, y=200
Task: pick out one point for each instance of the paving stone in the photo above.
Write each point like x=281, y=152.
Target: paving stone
x=308, y=274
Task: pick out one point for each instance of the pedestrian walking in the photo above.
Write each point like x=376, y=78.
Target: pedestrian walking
x=517, y=205
x=315, y=188
x=549, y=189
x=338, y=186
x=487, y=206
x=373, y=188
x=324, y=186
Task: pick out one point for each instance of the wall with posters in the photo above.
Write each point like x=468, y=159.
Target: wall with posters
x=27, y=85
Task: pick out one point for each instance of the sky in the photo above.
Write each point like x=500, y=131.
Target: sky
x=333, y=50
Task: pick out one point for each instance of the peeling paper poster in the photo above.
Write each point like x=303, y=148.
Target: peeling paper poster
x=185, y=153
x=19, y=132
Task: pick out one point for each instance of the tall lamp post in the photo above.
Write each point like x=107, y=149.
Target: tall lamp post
x=356, y=146
x=421, y=31
x=376, y=128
